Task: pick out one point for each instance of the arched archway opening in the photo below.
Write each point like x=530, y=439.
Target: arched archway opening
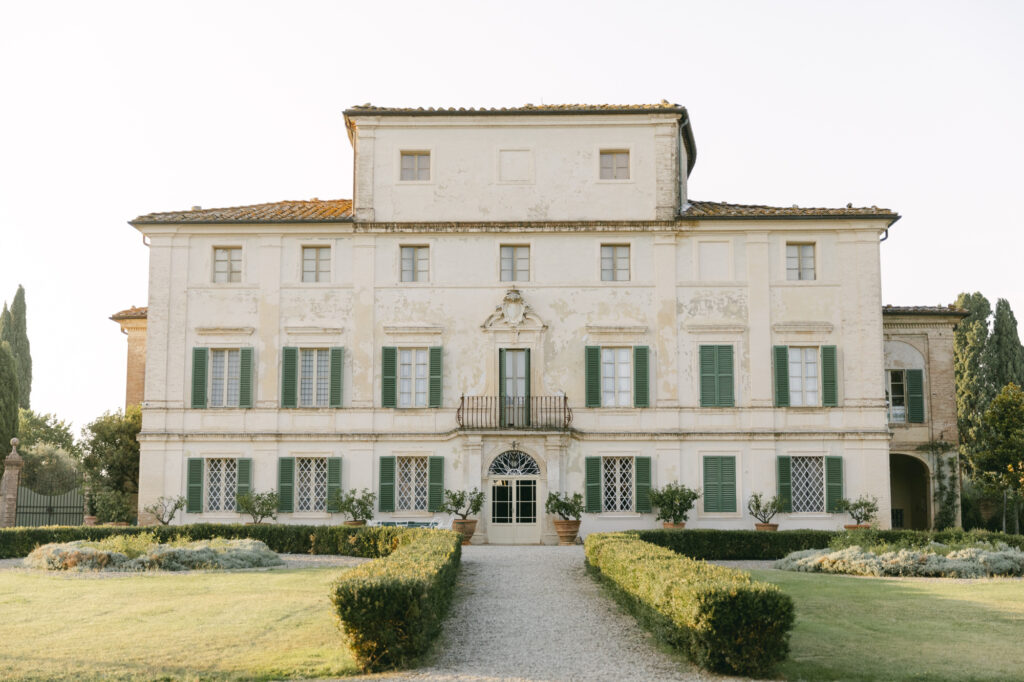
x=514, y=481
x=910, y=488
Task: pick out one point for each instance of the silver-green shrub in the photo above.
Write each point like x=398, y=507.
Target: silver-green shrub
x=937, y=561
x=216, y=554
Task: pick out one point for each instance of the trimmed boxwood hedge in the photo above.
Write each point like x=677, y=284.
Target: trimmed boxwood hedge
x=391, y=609
x=721, y=619
x=361, y=541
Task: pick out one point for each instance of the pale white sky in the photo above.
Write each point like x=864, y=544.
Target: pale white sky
x=109, y=110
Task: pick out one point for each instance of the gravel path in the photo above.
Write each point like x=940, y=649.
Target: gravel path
x=532, y=613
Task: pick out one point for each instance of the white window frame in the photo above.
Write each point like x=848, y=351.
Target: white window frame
x=896, y=415
x=224, y=388
x=614, y=252
x=321, y=266
x=614, y=169
x=318, y=380
x=413, y=389
x=821, y=482
x=419, y=497
x=232, y=258
x=303, y=485
x=802, y=272
x=617, y=358
x=225, y=494
x=418, y=256
x=798, y=395
x=622, y=493
x=417, y=170
x=514, y=259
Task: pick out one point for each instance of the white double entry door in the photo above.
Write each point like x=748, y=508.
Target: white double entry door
x=513, y=500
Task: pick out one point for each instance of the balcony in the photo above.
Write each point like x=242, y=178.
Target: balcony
x=533, y=413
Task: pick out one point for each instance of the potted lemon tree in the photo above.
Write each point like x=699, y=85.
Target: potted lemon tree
x=674, y=503
x=569, y=511
x=764, y=510
x=357, y=505
x=864, y=510
x=463, y=503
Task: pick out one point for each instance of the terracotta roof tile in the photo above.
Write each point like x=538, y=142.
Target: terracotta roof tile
x=133, y=313
x=309, y=211
x=924, y=310
x=664, y=106
x=716, y=209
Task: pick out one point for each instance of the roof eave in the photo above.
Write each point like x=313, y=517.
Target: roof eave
x=891, y=217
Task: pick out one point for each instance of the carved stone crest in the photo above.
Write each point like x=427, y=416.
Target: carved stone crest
x=514, y=314
x=513, y=308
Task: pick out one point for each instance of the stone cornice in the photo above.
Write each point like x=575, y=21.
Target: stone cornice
x=225, y=331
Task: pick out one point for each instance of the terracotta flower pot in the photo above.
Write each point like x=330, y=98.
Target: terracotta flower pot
x=89, y=520
x=673, y=526
x=766, y=526
x=361, y=522
x=465, y=526
x=856, y=526
x=567, y=531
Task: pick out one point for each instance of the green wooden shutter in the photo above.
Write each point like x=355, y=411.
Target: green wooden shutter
x=833, y=483
x=289, y=376
x=200, y=360
x=829, y=382
x=723, y=368
x=389, y=378
x=333, y=483
x=245, y=377
x=643, y=484
x=194, y=504
x=386, y=496
x=593, y=485
x=435, y=483
x=592, y=366
x=641, y=376
x=712, y=484
x=286, y=484
x=728, y=484
x=436, y=376
x=244, y=484
x=781, y=354
x=708, y=381
x=502, y=419
x=915, y=396
x=337, y=376
x=526, y=406
x=784, y=483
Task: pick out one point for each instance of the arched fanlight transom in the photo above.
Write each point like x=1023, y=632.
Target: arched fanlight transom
x=514, y=463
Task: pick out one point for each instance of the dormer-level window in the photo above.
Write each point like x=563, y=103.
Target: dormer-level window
x=415, y=166
x=614, y=164
x=799, y=262
x=227, y=264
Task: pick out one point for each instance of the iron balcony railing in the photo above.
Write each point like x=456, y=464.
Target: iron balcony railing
x=536, y=412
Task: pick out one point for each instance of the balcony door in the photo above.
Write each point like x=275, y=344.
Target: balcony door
x=514, y=386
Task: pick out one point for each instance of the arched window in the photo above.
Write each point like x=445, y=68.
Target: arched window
x=514, y=463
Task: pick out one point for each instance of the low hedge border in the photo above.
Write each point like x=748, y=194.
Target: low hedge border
x=365, y=541
x=391, y=609
x=726, y=545
x=721, y=619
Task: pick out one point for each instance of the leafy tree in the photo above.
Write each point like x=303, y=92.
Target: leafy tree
x=49, y=469
x=1000, y=457
x=111, y=447
x=20, y=346
x=969, y=342
x=8, y=401
x=1004, y=357
x=35, y=428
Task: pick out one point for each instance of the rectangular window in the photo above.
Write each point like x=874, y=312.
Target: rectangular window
x=614, y=164
x=896, y=396
x=616, y=377
x=221, y=484
x=799, y=261
x=515, y=263
x=310, y=484
x=803, y=377
x=413, y=377
x=413, y=483
x=225, y=376
x=719, y=484
x=808, y=480
x=316, y=263
x=227, y=264
x=716, y=376
x=415, y=263
x=415, y=166
x=618, y=484
x=314, y=377
x=614, y=262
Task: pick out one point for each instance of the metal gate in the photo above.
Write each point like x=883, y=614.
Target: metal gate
x=66, y=509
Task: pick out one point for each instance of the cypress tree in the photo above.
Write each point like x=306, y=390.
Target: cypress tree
x=969, y=341
x=20, y=347
x=8, y=399
x=1004, y=357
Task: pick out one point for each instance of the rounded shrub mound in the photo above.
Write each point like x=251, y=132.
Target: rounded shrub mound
x=141, y=552
x=936, y=560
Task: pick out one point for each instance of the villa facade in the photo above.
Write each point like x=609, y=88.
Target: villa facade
x=522, y=301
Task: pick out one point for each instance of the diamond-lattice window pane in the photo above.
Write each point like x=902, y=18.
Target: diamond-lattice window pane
x=323, y=376
x=412, y=483
x=303, y=484
x=618, y=483
x=215, y=480
x=808, y=479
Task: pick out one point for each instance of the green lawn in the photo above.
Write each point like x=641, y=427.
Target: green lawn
x=247, y=625
x=872, y=629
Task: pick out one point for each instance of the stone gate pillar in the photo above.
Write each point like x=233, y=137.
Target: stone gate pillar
x=9, y=486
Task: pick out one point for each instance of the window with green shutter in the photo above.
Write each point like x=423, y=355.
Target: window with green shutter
x=244, y=484
x=435, y=497
x=389, y=377
x=829, y=377
x=286, y=484
x=833, y=483
x=386, y=484
x=915, y=396
x=333, y=483
x=337, y=376
x=780, y=357
x=593, y=484
x=641, y=376
x=200, y=361
x=436, y=376
x=719, y=484
x=592, y=367
x=289, y=376
x=643, y=485
x=194, y=491
x=784, y=483
x=716, y=376
x=245, y=387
